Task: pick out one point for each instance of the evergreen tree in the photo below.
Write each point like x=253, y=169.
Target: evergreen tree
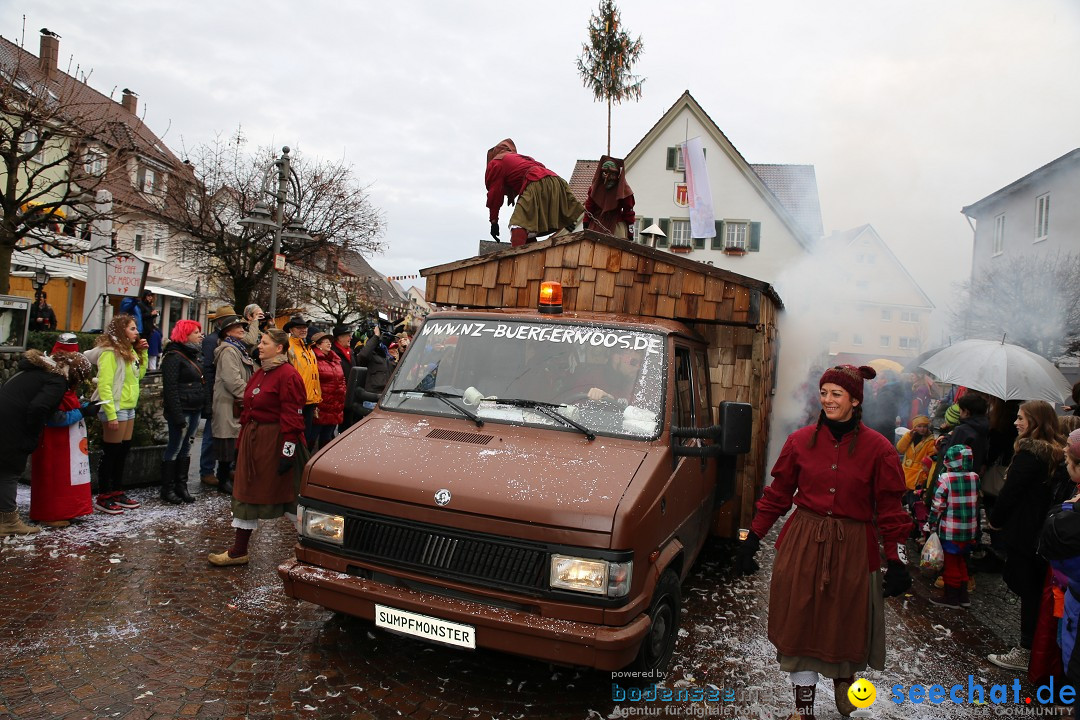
x=606, y=60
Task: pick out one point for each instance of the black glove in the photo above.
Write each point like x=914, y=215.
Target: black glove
x=89, y=410
x=897, y=579
x=495, y=231
x=285, y=465
x=744, y=555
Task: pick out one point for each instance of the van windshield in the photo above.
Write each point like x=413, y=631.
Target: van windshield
x=606, y=379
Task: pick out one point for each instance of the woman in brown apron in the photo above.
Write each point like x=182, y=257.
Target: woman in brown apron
x=826, y=613
x=270, y=452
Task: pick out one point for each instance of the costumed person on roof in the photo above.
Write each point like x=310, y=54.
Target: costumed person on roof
x=609, y=208
x=544, y=201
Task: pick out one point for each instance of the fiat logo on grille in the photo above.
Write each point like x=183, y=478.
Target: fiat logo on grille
x=442, y=497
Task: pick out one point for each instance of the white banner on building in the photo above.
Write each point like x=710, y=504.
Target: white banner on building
x=702, y=218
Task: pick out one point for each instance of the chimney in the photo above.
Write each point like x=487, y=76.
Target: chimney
x=130, y=101
x=49, y=53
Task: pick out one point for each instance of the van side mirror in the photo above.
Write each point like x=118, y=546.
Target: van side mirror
x=731, y=437
x=736, y=421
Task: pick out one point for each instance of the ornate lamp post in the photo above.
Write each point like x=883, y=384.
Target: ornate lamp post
x=41, y=279
x=260, y=216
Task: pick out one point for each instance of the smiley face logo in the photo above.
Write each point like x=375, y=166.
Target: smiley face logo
x=862, y=693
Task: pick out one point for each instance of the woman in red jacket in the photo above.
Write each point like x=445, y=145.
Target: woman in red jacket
x=270, y=447
x=331, y=411
x=826, y=613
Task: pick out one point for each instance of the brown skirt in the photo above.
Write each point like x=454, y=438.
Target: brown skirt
x=546, y=205
x=257, y=481
x=825, y=607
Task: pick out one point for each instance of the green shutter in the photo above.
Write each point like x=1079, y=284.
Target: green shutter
x=718, y=241
x=755, y=236
x=664, y=225
x=671, y=158
x=645, y=223
x=699, y=243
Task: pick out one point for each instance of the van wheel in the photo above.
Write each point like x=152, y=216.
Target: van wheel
x=664, y=614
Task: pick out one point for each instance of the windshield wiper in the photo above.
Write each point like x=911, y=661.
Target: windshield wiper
x=444, y=397
x=547, y=409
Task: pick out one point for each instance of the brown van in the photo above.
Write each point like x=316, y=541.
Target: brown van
x=534, y=482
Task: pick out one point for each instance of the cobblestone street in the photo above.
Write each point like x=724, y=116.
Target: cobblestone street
x=121, y=616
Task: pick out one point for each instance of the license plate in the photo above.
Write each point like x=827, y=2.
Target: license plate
x=425, y=626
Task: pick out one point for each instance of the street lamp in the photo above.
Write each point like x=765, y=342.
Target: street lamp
x=260, y=215
x=41, y=279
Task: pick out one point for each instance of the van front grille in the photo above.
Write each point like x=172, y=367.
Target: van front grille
x=446, y=552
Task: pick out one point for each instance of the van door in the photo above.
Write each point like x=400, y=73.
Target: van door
x=693, y=485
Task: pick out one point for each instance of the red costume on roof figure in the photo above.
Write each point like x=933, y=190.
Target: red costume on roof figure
x=544, y=201
x=609, y=208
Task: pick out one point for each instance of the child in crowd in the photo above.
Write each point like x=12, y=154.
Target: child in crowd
x=953, y=517
x=916, y=445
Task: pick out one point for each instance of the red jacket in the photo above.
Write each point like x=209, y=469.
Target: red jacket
x=276, y=396
x=825, y=479
x=507, y=177
x=331, y=410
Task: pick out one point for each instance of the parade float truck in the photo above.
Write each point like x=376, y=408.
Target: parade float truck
x=548, y=459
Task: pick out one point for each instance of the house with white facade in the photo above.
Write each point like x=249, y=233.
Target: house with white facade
x=882, y=311
x=136, y=167
x=766, y=215
x=1037, y=214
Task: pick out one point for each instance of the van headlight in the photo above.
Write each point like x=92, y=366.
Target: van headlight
x=318, y=525
x=599, y=577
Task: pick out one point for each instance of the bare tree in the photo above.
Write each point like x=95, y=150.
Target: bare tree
x=341, y=296
x=607, y=58
x=1034, y=301
x=229, y=181
x=54, y=151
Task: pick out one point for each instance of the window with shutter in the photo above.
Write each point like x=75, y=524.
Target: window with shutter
x=671, y=153
x=645, y=223
x=718, y=239
x=680, y=233
x=665, y=227
x=755, y=237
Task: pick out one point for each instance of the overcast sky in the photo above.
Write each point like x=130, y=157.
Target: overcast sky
x=907, y=110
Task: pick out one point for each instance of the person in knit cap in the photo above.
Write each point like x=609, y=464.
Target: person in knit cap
x=609, y=207
x=917, y=447
x=826, y=612
x=544, y=201
x=60, y=466
x=954, y=517
x=28, y=400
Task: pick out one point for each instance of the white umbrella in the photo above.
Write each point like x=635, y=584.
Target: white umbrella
x=1005, y=371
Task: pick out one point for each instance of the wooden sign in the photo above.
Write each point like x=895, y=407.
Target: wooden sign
x=125, y=275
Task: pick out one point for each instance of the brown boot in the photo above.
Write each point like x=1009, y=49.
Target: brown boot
x=12, y=524
x=840, y=689
x=804, y=702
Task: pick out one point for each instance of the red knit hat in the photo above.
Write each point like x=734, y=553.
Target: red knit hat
x=849, y=377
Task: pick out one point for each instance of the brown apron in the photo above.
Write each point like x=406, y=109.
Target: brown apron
x=256, y=481
x=820, y=608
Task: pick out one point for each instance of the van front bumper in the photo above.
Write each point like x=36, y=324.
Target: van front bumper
x=505, y=630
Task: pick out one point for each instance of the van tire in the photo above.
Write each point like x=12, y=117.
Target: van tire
x=665, y=611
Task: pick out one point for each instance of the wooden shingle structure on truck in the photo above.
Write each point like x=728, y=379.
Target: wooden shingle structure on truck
x=736, y=315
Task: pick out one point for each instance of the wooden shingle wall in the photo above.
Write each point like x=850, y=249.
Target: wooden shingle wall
x=736, y=318
x=596, y=277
